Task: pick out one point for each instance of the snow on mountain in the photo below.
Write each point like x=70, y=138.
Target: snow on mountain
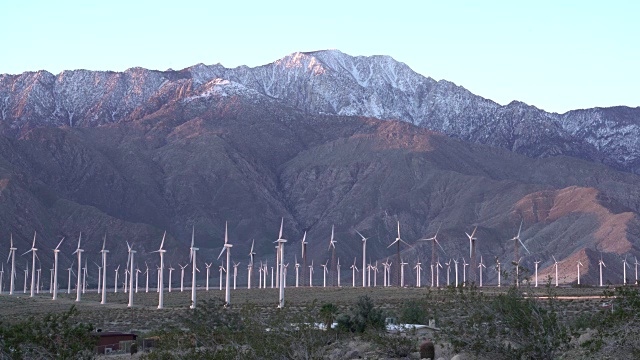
x=326, y=82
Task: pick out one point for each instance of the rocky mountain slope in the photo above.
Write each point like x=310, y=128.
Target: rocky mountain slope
x=203, y=155
x=328, y=82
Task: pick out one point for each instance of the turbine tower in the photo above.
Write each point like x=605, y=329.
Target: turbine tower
x=182, y=276
x=578, y=266
x=480, y=267
x=12, y=256
x=354, y=269
x=332, y=247
x=536, y=266
x=99, y=277
x=498, y=269
x=624, y=270
x=601, y=264
x=324, y=273
x=297, y=265
x=555, y=264
x=161, y=251
x=79, y=252
x=131, y=254
x=104, y=270
x=397, y=241
x=472, y=255
x=33, y=264
x=281, y=274
x=170, y=268
x=251, y=255
x=311, y=274
x=227, y=248
x=434, y=250
x=364, y=256
x=304, y=257
x=516, y=259
x=194, y=267
x=235, y=273
x=418, y=270
x=208, y=266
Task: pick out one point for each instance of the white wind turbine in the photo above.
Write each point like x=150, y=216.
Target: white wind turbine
x=50, y=281
x=455, y=261
x=1, y=277
x=138, y=271
x=281, y=273
x=194, y=267
x=369, y=268
x=517, y=266
x=12, y=256
x=389, y=272
x=418, y=271
x=161, y=251
x=464, y=272
x=208, y=266
x=448, y=271
x=227, y=248
x=264, y=275
x=250, y=267
x=221, y=269
x=498, y=269
x=636, y=264
x=182, y=276
x=364, y=256
x=438, y=266
x=260, y=276
x=297, y=265
x=38, y=281
x=235, y=273
x=536, y=266
x=115, y=285
x=104, y=270
x=303, y=244
x=555, y=264
x=624, y=270
x=131, y=255
x=601, y=264
x=146, y=288
x=55, y=270
x=158, y=271
x=472, y=254
x=311, y=274
x=480, y=267
x=33, y=263
x=433, y=251
x=70, y=270
x=84, y=277
x=170, y=268
x=284, y=277
x=402, y=265
x=375, y=274
x=578, y=266
x=397, y=241
x=517, y=241
x=338, y=269
x=324, y=273
x=354, y=269
x=99, y=277
x=26, y=275
x=79, y=252
x=332, y=247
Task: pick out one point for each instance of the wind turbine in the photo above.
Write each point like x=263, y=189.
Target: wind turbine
x=146, y=288
x=332, y=247
x=402, y=265
x=311, y=274
x=208, y=266
x=601, y=264
x=338, y=269
x=39, y=270
x=418, y=270
x=227, y=248
x=182, y=276
x=251, y=254
x=536, y=266
x=161, y=251
x=472, y=254
x=55, y=270
x=517, y=266
x=115, y=285
x=138, y=271
x=33, y=263
x=131, y=254
x=79, y=252
x=464, y=272
x=433, y=250
x=516, y=242
x=578, y=266
x=280, y=242
x=221, y=269
x=480, y=267
x=1, y=277
x=304, y=257
x=375, y=275
x=369, y=268
x=99, y=276
x=624, y=270
x=235, y=273
x=84, y=277
x=194, y=267
x=260, y=276
x=364, y=256
x=324, y=273
x=26, y=275
x=170, y=268
x=12, y=256
x=104, y=271
x=498, y=268
x=555, y=263
x=448, y=271
x=70, y=270
x=354, y=269
x=636, y=264
x=297, y=269
x=398, y=241
x=455, y=261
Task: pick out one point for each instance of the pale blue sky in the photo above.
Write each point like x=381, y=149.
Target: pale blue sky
x=556, y=55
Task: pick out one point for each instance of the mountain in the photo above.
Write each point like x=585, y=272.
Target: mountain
x=329, y=82
x=133, y=154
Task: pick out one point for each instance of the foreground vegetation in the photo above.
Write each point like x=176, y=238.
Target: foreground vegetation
x=486, y=325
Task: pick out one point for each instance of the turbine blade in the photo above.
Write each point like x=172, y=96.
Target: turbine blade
x=226, y=236
x=60, y=243
x=34, y=239
x=221, y=252
x=252, y=243
x=398, y=229
x=521, y=243
x=104, y=240
x=163, y=237
x=28, y=252
x=193, y=235
x=474, y=231
x=390, y=245
x=281, y=226
x=520, y=229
